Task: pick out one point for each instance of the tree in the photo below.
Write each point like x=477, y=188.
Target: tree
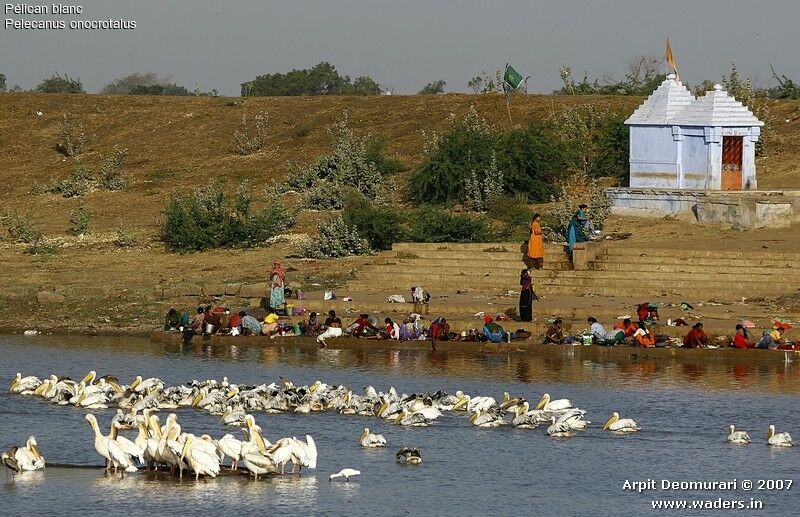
x=433, y=88
x=641, y=78
x=58, y=84
x=787, y=88
x=476, y=84
x=124, y=85
x=158, y=89
x=2, y=83
x=321, y=79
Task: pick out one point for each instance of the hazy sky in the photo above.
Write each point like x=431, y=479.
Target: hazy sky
x=405, y=43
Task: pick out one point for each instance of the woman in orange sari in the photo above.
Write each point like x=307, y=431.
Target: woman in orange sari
x=536, y=243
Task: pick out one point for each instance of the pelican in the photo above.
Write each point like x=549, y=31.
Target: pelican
x=368, y=439
x=486, y=418
x=299, y=453
x=527, y=418
x=740, y=437
x=138, y=385
x=255, y=457
x=109, y=449
x=412, y=420
x=622, y=425
x=232, y=448
x=29, y=458
x=127, y=446
x=408, y=456
x=778, y=439
x=126, y=421
x=24, y=384
x=233, y=417
x=553, y=405
x=345, y=473
x=563, y=429
x=474, y=403
x=199, y=459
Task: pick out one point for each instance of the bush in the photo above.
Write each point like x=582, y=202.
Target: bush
x=160, y=89
x=249, y=140
x=124, y=239
x=348, y=166
x=325, y=195
x=111, y=171
x=20, y=228
x=512, y=216
x=381, y=226
x=322, y=79
x=433, y=88
x=71, y=145
x=433, y=225
x=484, y=187
x=2, y=82
x=210, y=218
x=335, y=239
x=79, y=221
x=376, y=153
x=578, y=189
x=58, y=84
x=471, y=156
x=76, y=185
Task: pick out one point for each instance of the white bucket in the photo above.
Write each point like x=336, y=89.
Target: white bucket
x=209, y=328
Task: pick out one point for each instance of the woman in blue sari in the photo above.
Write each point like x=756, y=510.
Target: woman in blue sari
x=575, y=232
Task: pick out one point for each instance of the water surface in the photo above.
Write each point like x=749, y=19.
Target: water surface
x=684, y=410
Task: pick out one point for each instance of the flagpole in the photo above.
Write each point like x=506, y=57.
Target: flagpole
x=508, y=100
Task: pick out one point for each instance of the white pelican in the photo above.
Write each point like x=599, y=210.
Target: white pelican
x=255, y=457
x=405, y=419
x=127, y=446
x=621, y=425
x=24, y=384
x=778, y=439
x=368, y=439
x=199, y=459
x=563, y=429
x=529, y=419
x=740, y=437
x=138, y=385
x=109, y=449
x=233, y=416
x=553, y=405
x=474, y=403
x=232, y=448
x=486, y=419
x=409, y=456
x=29, y=458
x=299, y=453
x=145, y=442
x=345, y=473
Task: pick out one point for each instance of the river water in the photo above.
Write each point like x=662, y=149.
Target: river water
x=684, y=411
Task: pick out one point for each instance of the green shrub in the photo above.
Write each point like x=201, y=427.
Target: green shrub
x=381, y=226
x=111, y=171
x=335, y=239
x=210, y=218
x=159, y=89
x=512, y=217
x=484, y=187
x=40, y=246
x=376, y=153
x=76, y=185
x=2, y=82
x=251, y=139
x=57, y=84
x=433, y=225
x=124, y=239
x=533, y=159
x=20, y=228
x=321, y=79
x=71, y=145
x=79, y=221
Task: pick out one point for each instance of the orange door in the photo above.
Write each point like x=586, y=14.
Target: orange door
x=732, y=162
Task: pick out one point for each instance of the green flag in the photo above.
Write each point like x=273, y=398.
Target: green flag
x=512, y=77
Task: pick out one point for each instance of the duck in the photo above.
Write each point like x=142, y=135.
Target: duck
x=345, y=473
x=409, y=456
x=371, y=440
x=778, y=439
x=621, y=425
x=738, y=437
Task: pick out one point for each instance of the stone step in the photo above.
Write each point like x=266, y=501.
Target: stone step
x=719, y=261
x=510, y=276
x=470, y=246
x=457, y=263
x=620, y=250
x=636, y=269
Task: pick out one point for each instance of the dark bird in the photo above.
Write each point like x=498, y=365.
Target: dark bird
x=409, y=456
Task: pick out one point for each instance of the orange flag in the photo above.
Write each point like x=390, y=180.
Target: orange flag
x=671, y=60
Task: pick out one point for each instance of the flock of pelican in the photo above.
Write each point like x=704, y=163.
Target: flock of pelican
x=167, y=445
